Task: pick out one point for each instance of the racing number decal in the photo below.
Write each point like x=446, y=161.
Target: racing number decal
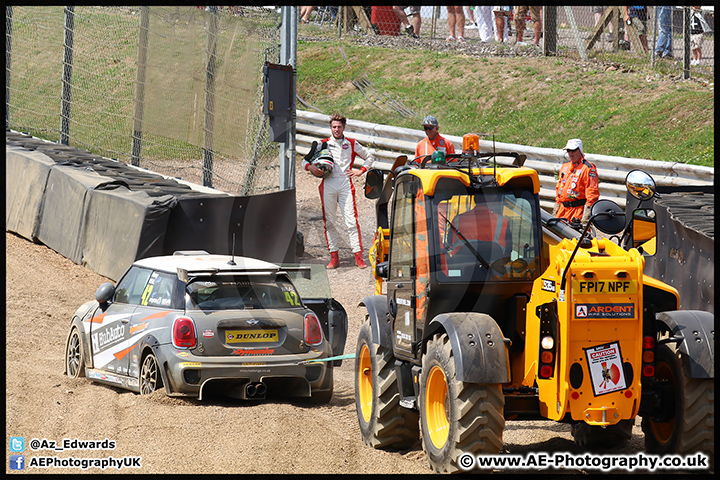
x=292, y=298
x=146, y=294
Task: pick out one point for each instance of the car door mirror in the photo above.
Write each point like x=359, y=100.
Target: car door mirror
x=374, y=183
x=104, y=292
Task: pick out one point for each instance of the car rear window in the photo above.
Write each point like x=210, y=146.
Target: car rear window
x=241, y=293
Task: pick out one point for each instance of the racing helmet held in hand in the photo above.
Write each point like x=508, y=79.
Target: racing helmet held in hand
x=324, y=161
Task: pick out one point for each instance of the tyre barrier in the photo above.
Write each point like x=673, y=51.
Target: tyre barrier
x=105, y=214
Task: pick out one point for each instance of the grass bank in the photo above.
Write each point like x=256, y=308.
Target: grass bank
x=538, y=101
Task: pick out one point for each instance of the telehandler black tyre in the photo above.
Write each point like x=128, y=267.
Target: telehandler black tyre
x=594, y=437
x=456, y=417
x=691, y=428
x=384, y=424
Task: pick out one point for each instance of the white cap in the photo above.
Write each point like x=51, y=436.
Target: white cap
x=573, y=144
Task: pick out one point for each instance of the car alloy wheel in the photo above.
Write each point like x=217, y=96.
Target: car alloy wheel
x=149, y=375
x=75, y=361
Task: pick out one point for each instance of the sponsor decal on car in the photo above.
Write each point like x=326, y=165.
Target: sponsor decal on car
x=137, y=328
x=249, y=336
x=182, y=353
x=190, y=364
x=108, y=336
x=208, y=333
x=244, y=352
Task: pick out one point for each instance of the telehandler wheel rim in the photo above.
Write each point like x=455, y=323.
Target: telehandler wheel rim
x=435, y=407
x=663, y=430
x=365, y=383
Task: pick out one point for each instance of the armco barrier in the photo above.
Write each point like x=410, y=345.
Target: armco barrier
x=388, y=142
x=105, y=214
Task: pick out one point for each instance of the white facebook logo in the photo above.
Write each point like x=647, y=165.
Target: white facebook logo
x=17, y=462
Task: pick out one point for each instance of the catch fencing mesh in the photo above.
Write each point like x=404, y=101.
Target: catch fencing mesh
x=176, y=90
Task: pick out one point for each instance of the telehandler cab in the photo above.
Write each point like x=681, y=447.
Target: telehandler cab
x=488, y=309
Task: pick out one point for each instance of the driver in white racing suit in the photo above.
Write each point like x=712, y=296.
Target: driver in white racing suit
x=337, y=189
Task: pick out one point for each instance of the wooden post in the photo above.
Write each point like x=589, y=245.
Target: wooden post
x=600, y=27
x=363, y=20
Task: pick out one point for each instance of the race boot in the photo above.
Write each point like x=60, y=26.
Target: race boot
x=334, y=260
x=359, y=260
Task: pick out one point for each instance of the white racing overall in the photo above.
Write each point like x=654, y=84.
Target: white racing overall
x=337, y=189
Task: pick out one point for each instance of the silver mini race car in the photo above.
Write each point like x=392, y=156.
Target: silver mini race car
x=194, y=323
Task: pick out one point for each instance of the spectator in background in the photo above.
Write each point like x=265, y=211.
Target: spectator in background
x=664, y=43
x=577, y=188
x=485, y=21
x=637, y=17
x=502, y=20
x=535, y=16
x=305, y=14
x=433, y=141
x=456, y=18
x=414, y=11
x=598, y=13
x=470, y=16
x=696, y=35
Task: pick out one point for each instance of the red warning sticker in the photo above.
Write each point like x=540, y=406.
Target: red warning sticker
x=606, y=370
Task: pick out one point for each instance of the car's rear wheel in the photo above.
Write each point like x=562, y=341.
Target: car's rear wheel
x=150, y=379
x=74, y=355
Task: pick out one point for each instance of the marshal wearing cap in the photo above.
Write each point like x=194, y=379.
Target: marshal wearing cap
x=430, y=121
x=574, y=144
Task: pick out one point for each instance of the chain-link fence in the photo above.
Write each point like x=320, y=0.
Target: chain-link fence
x=574, y=31
x=176, y=90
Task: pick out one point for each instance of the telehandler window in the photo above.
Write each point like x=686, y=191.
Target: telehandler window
x=487, y=235
x=401, y=249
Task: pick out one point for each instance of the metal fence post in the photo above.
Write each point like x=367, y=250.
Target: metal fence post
x=288, y=56
x=143, y=36
x=8, y=58
x=686, y=42
x=67, y=76
x=207, y=170
x=550, y=30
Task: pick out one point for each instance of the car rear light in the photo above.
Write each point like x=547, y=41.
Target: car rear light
x=648, y=371
x=313, y=330
x=648, y=342
x=648, y=356
x=546, y=371
x=184, y=333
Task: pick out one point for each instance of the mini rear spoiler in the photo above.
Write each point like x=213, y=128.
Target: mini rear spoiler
x=184, y=275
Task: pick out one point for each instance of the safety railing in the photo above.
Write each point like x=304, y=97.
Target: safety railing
x=388, y=142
